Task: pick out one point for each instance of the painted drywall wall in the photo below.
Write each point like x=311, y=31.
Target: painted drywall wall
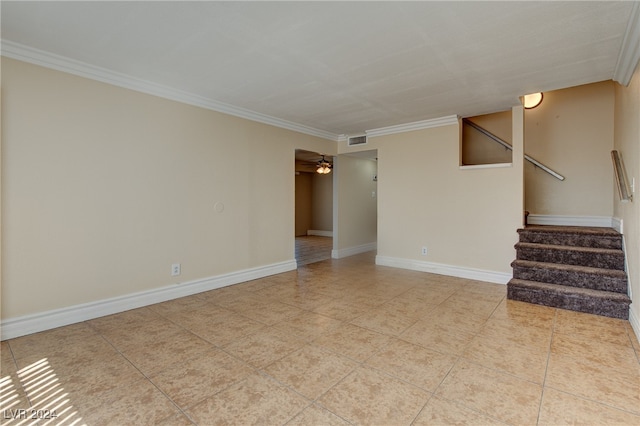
x=571, y=132
x=573, y=123
x=627, y=142
x=322, y=202
x=103, y=188
x=357, y=204
x=467, y=218
x=303, y=203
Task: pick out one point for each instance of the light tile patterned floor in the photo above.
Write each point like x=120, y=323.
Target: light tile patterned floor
x=313, y=248
x=334, y=343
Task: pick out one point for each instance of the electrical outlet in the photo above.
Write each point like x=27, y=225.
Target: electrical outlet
x=424, y=251
x=175, y=269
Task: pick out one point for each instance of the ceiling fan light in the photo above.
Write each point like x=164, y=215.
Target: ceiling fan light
x=324, y=167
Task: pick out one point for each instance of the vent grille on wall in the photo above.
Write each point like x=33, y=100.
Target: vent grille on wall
x=357, y=140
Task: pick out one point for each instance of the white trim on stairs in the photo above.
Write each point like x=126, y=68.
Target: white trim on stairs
x=560, y=220
x=635, y=323
x=618, y=225
x=443, y=269
x=33, y=323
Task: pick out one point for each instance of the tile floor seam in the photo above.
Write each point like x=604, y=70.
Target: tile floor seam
x=393, y=376
x=175, y=404
x=422, y=409
x=144, y=376
x=123, y=355
x=613, y=407
x=358, y=365
x=190, y=406
x=13, y=355
x=475, y=410
x=546, y=367
x=149, y=379
x=459, y=403
x=291, y=388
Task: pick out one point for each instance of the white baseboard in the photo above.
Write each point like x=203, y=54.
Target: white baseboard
x=350, y=251
x=443, y=269
x=320, y=233
x=635, y=323
x=28, y=324
x=617, y=224
x=599, y=221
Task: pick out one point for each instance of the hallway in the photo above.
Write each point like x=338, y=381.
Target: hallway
x=311, y=249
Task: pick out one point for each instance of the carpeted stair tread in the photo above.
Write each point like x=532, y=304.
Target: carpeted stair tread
x=608, y=295
x=614, y=252
x=571, y=275
x=570, y=267
x=572, y=236
x=585, y=256
x=574, y=268
x=607, y=303
x=577, y=230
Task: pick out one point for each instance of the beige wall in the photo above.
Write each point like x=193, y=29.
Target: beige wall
x=322, y=202
x=627, y=142
x=571, y=124
x=571, y=132
x=357, y=212
x=303, y=203
x=467, y=218
x=104, y=188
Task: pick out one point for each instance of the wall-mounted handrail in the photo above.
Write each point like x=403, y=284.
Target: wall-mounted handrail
x=509, y=147
x=621, y=177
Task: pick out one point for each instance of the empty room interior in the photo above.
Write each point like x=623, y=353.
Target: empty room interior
x=320, y=213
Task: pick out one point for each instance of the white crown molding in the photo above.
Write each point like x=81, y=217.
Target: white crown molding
x=630, y=51
x=416, y=125
x=442, y=269
x=61, y=63
x=28, y=324
x=557, y=220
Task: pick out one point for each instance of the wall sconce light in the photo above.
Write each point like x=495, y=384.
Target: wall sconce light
x=532, y=100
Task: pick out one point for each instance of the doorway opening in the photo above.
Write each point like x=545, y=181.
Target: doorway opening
x=313, y=208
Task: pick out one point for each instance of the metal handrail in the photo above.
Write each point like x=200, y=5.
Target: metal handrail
x=506, y=145
x=621, y=177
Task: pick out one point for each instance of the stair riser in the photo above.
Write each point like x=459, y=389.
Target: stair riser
x=601, y=307
x=569, y=257
x=571, y=278
x=571, y=240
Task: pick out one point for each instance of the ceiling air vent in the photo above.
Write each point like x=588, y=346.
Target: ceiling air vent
x=357, y=140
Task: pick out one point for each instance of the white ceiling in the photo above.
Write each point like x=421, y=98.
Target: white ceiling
x=335, y=67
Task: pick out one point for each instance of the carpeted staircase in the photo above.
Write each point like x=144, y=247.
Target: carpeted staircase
x=576, y=268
